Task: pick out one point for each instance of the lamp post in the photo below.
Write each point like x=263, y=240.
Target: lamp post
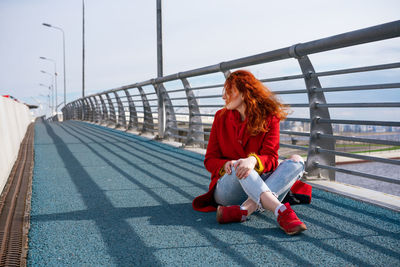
x=63, y=34
x=159, y=41
x=83, y=48
x=50, y=102
x=55, y=79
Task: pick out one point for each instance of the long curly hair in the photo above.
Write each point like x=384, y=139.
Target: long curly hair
x=260, y=102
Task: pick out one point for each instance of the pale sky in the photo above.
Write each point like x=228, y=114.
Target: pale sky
x=121, y=38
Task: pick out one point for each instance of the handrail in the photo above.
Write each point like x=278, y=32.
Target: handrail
x=189, y=122
x=371, y=34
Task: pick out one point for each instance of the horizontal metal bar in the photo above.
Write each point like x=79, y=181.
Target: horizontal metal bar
x=151, y=106
x=146, y=94
x=208, y=96
x=357, y=156
x=295, y=133
x=298, y=119
x=178, y=98
x=354, y=70
x=210, y=106
x=136, y=95
x=176, y=113
x=178, y=121
x=203, y=115
x=360, y=105
x=356, y=139
x=367, y=35
x=202, y=132
x=149, y=123
x=177, y=106
x=283, y=78
x=297, y=91
x=293, y=146
x=360, y=87
x=359, y=122
x=177, y=136
x=207, y=87
x=200, y=142
x=179, y=129
x=298, y=105
x=203, y=124
x=366, y=175
x=177, y=90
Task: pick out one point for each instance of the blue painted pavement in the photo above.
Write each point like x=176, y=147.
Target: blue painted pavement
x=102, y=197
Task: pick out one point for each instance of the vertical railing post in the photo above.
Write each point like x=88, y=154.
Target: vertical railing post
x=133, y=119
x=315, y=98
x=168, y=109
x=74, y=110
x=195, y=125
x=111, y=118
x=148, y=122
x=104, y=116
x=77, y=110
x=80, y=109
x=97, y=113
x=93, y=109
x=161, y=112
x=68, y=111
x=121, y=112
x=64, y=112
x=88, y=109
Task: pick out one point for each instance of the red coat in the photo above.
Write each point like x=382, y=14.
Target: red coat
x=229, y=140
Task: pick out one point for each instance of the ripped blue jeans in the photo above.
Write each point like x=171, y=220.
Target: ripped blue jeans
x=233, y=191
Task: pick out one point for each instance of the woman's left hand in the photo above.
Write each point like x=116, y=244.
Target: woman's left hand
x=243, y=167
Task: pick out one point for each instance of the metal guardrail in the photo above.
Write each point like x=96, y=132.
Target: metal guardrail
x=158, y=108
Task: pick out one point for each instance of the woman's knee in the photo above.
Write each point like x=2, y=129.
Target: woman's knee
x=296, y=158
x=297, y=161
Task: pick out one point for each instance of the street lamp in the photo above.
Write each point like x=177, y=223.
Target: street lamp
x=55, y=78
x=63, y=34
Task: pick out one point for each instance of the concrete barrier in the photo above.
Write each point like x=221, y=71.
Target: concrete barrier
x=14, y=120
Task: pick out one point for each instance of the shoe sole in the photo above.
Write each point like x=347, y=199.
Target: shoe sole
x=300, y=228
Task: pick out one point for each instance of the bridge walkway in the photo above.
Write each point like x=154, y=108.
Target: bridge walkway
x=102, y=197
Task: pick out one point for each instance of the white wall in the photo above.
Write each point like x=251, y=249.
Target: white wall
x=14, y=120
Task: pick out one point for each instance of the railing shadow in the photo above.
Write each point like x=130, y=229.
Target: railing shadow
x=258, y=240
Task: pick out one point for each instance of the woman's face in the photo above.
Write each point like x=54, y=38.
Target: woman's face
x=234, y=100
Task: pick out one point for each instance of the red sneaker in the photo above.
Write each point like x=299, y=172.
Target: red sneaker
x=289, y=222
x=230, y=214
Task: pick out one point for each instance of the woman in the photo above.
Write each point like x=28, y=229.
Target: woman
x=242, y=156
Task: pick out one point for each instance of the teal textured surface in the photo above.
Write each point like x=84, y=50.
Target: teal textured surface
x=102, y=197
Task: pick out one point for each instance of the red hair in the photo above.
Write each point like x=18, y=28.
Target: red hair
x=260, y=102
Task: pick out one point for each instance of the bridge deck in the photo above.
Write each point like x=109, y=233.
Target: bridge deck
x=104, y=197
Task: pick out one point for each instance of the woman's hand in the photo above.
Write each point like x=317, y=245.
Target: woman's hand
x=228, y=166
x=243, y=167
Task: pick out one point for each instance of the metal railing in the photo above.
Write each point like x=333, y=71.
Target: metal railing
x=149, y=107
